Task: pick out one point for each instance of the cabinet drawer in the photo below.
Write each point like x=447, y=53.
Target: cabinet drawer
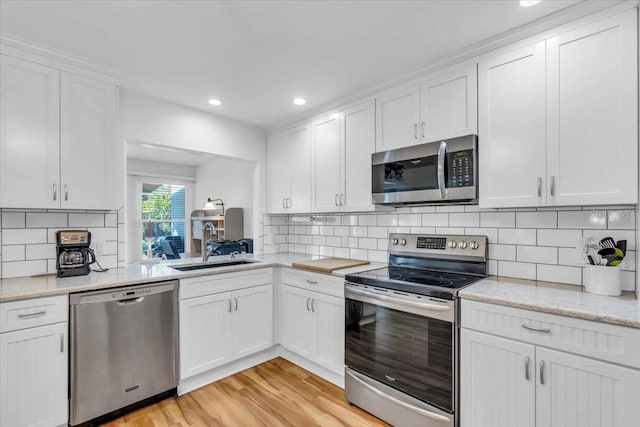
x=611, y=343
x=216, y=283
x=25, y=314
x=316, y=282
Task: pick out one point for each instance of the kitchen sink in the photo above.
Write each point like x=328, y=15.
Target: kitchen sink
x=212, y=265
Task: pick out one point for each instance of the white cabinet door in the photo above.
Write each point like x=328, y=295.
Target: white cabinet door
x=574, y=391
x=397, y=117
x=357, y=139
x=325, y=164
x=592, y=107
x=329, y=318
x=29, y=135
x=205, y=333
x=34, y=376
x=278, y=171
x=449, y=105
x=87, y=143
x=300, y=165
x=497, y=381
x=298, y=322
x=252, y=320
x=511, y=130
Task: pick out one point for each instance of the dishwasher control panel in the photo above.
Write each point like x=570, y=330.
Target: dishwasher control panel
x=123, y=295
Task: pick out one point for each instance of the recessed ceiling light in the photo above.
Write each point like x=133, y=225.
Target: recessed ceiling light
x=299, y=101
x=215, y=102
x=527, y=3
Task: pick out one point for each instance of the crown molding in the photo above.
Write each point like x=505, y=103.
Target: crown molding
x=469, y=54
x=31, y=51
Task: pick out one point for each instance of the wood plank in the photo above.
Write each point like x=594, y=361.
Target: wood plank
x=274, y=394
x=328, y=265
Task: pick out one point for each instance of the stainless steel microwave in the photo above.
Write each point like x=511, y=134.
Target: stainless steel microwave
x=441, y=171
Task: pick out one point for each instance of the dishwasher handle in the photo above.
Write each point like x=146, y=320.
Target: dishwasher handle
x=130, y=301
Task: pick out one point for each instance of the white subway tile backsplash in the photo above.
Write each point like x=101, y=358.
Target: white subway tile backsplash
x=502, y=252
x=628, y=235
x=491, y=233
x=334, y=241
x=306, y=239
x=341, y=230
x=46, y=219
x=13, y=219
x=435, y=220
x=319, y=240
x=326, y=251
x=628, y=279
x=104, y=234
x=569, y=256
x=409, y=220
x=449, y=209
x=537, y=254
x=560, y=274
x=16, y=236
x=341, y=252
x=378, y=232
x=582, y=219
x=622, y=219
x=349, y=220
x=390, y=220
x=517, y=236
x=561, y=238
x=357, y=231
x=367, y=243
x=13, y=253
x=423, y=230
x=23, y=268
x=423, y=209
x=520, y=270
x=468, y=219
x=33, y=252
x=358, y=254
x=497, y=219
x=377, y=256
x=536, y=219
x=449, y=230
x=367, y=220
x=86, y=220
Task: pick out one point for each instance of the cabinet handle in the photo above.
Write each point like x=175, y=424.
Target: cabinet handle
x=289, y=203
x=61, y=342
x=526, y=368
x=343, y=199
x=312, y=282
x=229, y=305
x=313, y=310
x=335, y=199
x=541, y=330
x=553, y=186
x=55, y=192
x=236, y=301
x=308, y=303
x=30, y=315
x=542, y=372
x=422, y=125
x=415, y=131
x=66, y=192
x=283, y=206
x=539, y=186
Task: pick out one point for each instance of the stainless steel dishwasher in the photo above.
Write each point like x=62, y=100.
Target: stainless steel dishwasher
x=124, y=349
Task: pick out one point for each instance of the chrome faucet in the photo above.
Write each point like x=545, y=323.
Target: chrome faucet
x=203, y=248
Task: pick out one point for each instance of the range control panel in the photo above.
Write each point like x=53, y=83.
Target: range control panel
x=475, y=246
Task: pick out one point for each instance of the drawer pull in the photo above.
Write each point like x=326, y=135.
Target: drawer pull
x=526, y=368
x=308, y=303
x=312, y=282
x=313, y=310
x=542, y=372
x=32, y=315
x=61, y=343
x=541, y=330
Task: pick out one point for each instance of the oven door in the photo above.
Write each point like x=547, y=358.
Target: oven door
x=402, y=342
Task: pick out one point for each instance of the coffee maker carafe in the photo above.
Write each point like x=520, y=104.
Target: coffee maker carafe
x=74, y=254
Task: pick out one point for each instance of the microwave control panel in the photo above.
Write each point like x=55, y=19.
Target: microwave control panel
x=460, y=169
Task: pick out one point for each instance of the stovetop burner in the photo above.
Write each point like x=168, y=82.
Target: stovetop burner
x=436, y=266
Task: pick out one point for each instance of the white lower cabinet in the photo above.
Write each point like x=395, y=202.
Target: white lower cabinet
x=313, y=322
x=33, y=366
x=220, y=327
x=505, y=382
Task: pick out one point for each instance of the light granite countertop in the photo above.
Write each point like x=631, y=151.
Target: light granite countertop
x=566, y=300
x=146, y=272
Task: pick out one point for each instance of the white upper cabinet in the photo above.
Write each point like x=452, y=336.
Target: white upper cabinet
x=88, y=135
x=512, y=129
x=278, y=173
x=397, y=117
x=592, y=113
x=58, y=146
x=300, y=165
x=29, y=134
x=558, y=121
x=448, y=104
x=357, y=142
x=326, y=165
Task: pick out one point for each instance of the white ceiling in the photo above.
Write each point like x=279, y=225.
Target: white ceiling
x=256, y=56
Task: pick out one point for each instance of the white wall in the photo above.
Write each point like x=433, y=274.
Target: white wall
x=229, y=180
x=167, y=169
x=152, y=120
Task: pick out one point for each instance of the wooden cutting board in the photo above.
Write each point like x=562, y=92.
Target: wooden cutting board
x=328, y=265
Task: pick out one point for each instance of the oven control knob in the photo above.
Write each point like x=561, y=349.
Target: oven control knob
x=452, y=244
x=394, y=241
x=403, y=242
x=462, y=244
x=474, y=245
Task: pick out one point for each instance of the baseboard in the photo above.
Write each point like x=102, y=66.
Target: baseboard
x=312, y=367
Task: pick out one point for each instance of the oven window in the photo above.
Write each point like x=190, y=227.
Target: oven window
x=406, y=175
x=410, y=353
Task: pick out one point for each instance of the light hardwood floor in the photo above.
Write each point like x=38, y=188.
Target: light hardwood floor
x=275, y=393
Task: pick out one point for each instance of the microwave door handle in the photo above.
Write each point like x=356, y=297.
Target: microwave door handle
x=441, y=181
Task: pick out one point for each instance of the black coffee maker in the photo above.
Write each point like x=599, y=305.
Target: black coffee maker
x=74, y=254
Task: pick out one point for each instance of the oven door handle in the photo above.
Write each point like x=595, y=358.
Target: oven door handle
x=420, y=305
x=405, y=405
x=442, y=151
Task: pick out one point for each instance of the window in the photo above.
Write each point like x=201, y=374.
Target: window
x=163, y=219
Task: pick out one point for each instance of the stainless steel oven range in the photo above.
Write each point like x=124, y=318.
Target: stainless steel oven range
x=402, y=330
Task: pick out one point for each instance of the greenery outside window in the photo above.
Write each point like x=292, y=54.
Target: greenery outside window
x=163, y=218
